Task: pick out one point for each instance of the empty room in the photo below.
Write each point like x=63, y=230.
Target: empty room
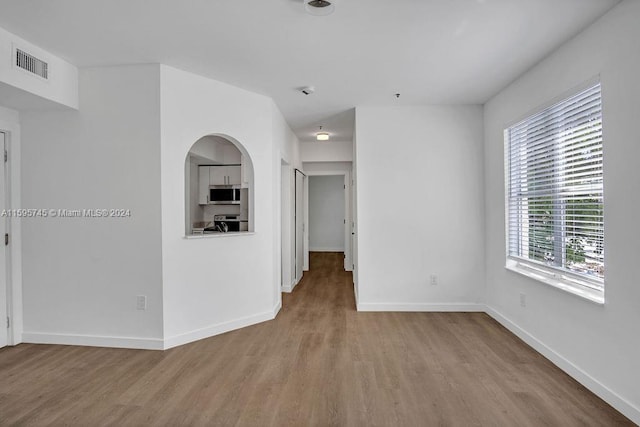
x=319, y=212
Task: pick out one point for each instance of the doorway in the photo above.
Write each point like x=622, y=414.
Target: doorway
x=342, y=188
x=287, y=272
x=327, y=213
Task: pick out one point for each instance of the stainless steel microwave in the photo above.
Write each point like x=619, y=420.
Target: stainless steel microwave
x=224, y=196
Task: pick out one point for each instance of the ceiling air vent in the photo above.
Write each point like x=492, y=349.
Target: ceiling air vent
x=32, y=64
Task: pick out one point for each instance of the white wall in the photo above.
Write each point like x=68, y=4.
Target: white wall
x=327, y=167
x=326, y=213
x=326, y=151
x=17, y=86
x=81, y=276
x=216, y=150
x=420, y=207
x=126, y=148
x=214, y=284
x=597, y=344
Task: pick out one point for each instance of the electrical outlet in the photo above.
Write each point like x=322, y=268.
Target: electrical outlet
x=433, y=280
x=141, y=302
x=523, y=300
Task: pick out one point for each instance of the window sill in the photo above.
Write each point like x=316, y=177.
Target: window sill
x=550, y=278
x=215, y=235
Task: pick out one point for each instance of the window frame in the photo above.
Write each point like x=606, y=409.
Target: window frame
x=592, y=289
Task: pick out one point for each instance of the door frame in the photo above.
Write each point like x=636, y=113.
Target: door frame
x=287, y=230
x=305, y=252
x=10, y=126
x=5, y=261
x=348, y=215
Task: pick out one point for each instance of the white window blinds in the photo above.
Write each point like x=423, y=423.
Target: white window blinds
x=554, y=188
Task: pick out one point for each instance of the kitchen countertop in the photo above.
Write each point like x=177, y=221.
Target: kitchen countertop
x=208, y=234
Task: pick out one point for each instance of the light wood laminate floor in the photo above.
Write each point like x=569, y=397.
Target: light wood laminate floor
x=318, y=363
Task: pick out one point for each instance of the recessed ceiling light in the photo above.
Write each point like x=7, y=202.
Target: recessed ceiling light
x=319, y=7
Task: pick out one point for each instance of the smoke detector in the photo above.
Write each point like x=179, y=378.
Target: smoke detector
x=307, y=90
x=318, y=7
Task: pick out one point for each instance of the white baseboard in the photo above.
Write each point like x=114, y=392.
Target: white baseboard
x=149, y=343
x=221, y=328
x=609, y=396
x=290, y=288
x=418, y=307
x=626, y=408
x=355, y=294
x=326, y=249
x=93, y=340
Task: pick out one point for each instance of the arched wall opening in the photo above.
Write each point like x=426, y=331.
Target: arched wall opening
x=219, y=187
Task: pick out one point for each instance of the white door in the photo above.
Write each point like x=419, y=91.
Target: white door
x=3, y=251
x=299, y=224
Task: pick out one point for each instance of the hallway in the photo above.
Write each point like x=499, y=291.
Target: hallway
x=325, y=287
x=318, y=363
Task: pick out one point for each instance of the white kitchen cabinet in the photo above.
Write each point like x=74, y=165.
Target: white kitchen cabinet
x=244, y=173
x=234, y=175
x=225, y=175
x=203, y=185
x=217, y=175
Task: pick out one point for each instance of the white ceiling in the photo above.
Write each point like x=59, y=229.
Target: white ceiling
x=429, y=51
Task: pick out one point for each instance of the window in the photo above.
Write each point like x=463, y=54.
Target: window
x=555, y=227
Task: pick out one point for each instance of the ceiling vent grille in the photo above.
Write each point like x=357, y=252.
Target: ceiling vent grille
x=32, y=64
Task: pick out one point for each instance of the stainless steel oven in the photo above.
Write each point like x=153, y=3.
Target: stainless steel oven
x=226, y=223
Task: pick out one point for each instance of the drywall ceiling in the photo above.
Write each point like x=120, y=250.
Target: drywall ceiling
x=429, y=51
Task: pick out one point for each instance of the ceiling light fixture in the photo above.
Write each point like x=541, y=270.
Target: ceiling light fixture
x=318, y=7
x=322, y=136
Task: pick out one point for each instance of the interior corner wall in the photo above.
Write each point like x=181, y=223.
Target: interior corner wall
x=82, y=274
x=420, y=208
x=596, y=344
x=215, y=284
x=326, y=151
